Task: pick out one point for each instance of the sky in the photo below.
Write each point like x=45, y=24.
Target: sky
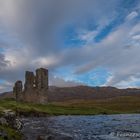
x=81, y=42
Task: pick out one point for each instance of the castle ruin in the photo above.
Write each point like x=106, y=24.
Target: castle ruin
x=35, y=87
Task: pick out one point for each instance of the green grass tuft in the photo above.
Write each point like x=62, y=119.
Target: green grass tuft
x=11, y=133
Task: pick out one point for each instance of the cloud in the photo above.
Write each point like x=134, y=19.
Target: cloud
x=112, y=54
x=3, y=62
x=132, y=15
x=6, y=86
x=60, y=82
x=36, y=22
x=32, y=35
x=88, y=36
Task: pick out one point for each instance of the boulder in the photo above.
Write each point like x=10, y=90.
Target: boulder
x=3, y=121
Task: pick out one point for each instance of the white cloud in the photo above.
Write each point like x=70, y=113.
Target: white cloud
x=132, y=15
x=17, y=57
x=115, y=54
x=60, y=82
x=5, y=86
x=46, y=61
x=136, y=37
x=135, y=29
x=88, y=36
x=131, y=83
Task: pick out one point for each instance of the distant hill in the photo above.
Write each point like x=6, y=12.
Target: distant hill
x=83, y=92
x=88, y=93
x=6, y=95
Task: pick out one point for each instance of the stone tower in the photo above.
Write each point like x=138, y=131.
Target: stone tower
x=17, y=89
x=35, y=87
x=29, y=80
x=42, y=78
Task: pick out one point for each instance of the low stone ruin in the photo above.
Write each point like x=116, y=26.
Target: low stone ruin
x=35, y=87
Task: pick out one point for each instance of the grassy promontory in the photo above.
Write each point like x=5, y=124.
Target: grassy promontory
x=119, y=105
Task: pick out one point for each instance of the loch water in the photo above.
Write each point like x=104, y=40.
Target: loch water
x=98, y=127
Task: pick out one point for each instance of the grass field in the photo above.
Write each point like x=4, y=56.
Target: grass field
x=11, y=133
x=119, y=105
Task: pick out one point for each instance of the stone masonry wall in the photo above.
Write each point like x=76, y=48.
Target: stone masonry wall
x=41, y=78
x=29, y=80
x=17, y=90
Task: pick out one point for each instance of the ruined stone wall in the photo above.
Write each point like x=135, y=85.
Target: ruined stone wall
x=17, y=90
x=29, y=80
x=35, y=87
x=41, y=78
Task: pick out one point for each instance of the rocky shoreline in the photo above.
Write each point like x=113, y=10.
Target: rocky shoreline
x=41, y=126
x=10, y=121
x=10, y=126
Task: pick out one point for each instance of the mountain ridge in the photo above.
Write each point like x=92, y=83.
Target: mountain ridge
x=82, y=92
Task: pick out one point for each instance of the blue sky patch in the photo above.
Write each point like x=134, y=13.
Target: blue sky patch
x=96, y=77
